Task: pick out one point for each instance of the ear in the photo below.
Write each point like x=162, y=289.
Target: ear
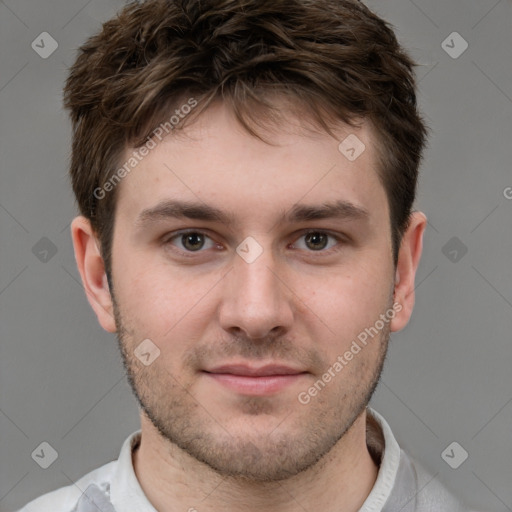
x=92, y=271
x=408, y=260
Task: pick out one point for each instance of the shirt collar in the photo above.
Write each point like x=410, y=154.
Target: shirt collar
x=385, y=444
x=126, y=493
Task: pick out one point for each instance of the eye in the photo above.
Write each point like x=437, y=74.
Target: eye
x=317, y=241
x=195, y=241
x=190, y=241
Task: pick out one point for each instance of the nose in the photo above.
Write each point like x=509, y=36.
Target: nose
x=256, y=298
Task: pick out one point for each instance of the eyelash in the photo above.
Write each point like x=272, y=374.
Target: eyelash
x=191, y=254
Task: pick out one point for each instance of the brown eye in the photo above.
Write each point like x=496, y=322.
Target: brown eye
x=316, y=240
x=192, y=241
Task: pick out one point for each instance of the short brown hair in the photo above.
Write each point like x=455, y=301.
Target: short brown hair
x=334, y=59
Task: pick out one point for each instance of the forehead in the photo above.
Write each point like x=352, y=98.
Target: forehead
x=216, y=162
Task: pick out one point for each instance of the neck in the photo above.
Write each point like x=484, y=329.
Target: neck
x=173, y=480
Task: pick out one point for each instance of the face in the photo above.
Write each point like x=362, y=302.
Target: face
x=251, y=300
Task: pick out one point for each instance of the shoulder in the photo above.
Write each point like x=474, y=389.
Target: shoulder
x=66, y=498
x=430, y=493
x=403, y=482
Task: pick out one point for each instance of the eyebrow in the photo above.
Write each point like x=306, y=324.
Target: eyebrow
x=177, y=209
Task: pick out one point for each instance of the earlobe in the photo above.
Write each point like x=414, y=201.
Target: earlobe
x=92, y=271
x=408, y=261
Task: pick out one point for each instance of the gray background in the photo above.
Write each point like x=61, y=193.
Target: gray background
x=448, y=372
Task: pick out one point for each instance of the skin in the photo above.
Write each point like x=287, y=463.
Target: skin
x=301, y=302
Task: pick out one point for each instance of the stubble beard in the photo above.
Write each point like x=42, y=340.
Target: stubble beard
x=299, y=442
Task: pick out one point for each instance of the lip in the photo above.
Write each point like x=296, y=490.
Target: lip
x=250, y=371
x=255, y=381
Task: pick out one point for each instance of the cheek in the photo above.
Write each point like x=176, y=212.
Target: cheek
x=158, y=301
x=349, y=303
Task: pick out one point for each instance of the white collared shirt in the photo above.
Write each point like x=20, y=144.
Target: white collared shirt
x=401, y=485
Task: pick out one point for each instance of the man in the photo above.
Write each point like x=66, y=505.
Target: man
x=245, y=172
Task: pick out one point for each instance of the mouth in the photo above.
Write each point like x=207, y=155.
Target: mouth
x=256, y=381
